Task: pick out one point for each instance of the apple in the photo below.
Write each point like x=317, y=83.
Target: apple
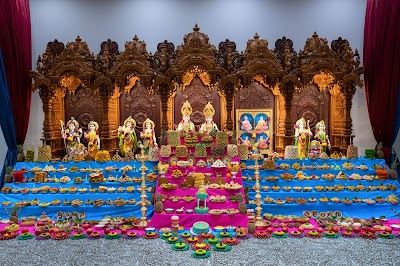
x=357, y=229
x=85, y=226
x=320, y=229
x=24, y=230
x=335, y=229
x=388, y=229
x=89, y=230
x=38, y=232
x=301, y=228
x=284, y=229
x=124, y=231
x=107, y=230
x=269, y=229
x=54, y=230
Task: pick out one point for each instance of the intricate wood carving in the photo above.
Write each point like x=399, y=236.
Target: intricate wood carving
x=198, y=94
x=312, y=104
x=255, y=96
x=141, y=104
x=85, y=106
x=115, y=84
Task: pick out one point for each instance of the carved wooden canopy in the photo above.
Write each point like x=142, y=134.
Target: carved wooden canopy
x=320, y=78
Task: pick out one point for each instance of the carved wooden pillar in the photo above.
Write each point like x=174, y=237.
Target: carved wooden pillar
x=110, y=115
x=57, y=116
x=47, y=99
x=348, y=92
x=280, y=123
x=287, y=90
x=229, y=93
x=164, y=93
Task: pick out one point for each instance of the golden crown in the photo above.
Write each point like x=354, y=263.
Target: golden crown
x=96, y=125
x=148, y=120
x=320, y=123
x=209, y=110
x=73, y=121
x=186, y=109
x=130, y=119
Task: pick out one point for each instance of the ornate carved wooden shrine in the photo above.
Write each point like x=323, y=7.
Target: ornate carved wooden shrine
x=317, y=83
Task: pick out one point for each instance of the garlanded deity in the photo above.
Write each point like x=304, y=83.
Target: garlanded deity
x=245, y=124
x=209, y=124
x=148, y=135
x=72, y=136
x=302, y=137
x=262, y=124
x=321, y=136
x=92, y=138
x=186, y=124
x=127, y=136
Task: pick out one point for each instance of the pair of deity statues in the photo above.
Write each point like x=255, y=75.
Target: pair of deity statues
x=72, y=135
x=128, y=141
x=303, y=136
x=187, y=125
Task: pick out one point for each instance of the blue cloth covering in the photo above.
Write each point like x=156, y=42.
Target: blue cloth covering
x=92, y=212
x=361, y=210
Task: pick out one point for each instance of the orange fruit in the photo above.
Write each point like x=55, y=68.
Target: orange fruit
x=228, y=175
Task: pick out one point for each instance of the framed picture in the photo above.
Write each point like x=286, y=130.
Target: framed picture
x=255, y=127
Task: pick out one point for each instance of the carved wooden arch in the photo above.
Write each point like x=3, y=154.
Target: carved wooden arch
x=225, y=71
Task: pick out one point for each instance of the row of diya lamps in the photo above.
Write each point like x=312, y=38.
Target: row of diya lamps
x=331, y=228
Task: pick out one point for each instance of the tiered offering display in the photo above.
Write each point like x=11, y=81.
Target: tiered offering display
x=205, y=188
x=354, y=187
x=109, y=188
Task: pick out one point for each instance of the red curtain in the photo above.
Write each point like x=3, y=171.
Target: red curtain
x=382, y=68
x=15, y=43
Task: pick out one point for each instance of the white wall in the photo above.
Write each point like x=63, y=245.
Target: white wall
x=156, y=20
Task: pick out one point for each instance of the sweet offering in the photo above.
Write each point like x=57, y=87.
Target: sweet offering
x=291, y=152
x=200, y=227
x=181, y=151
x=44, y=153
x=200, y=150
x=222, y=139
x=232, y=150
x=352, y=152
x=165, y=150
x=174, y=138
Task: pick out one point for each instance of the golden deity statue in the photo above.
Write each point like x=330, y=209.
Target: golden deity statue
x=321, y=136
x=302, y=137
x=127, y=136
x=148, y=135
x=209, y=124
x=92, y=138
x=186, y=124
